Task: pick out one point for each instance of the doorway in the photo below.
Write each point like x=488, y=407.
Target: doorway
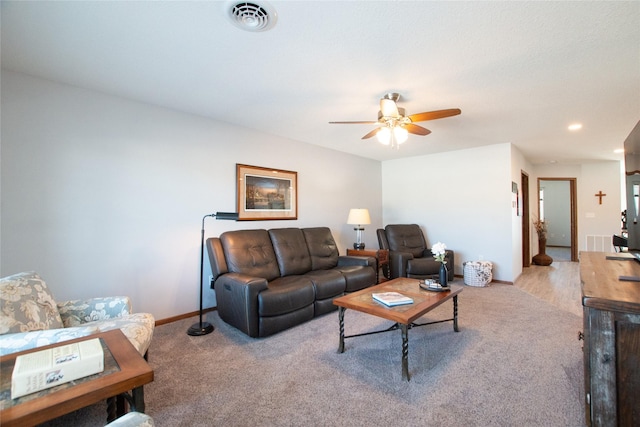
x=557, y=206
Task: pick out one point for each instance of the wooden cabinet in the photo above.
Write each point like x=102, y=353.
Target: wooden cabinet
x=611, y=340
x=381, y=256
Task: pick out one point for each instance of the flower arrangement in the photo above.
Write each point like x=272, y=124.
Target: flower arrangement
x=439, y=251
x=541, y=228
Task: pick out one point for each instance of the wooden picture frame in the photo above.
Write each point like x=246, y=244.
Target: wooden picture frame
x=266, y=193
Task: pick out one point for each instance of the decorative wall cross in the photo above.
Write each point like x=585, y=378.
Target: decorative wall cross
x=600, y=195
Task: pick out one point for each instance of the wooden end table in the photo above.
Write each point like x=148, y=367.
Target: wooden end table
x=404, y=315
x=381, y=256
x=125, y=371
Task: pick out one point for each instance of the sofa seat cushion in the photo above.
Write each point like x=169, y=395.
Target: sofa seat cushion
x=327, y=283
x=284, y=295
x=422, y=267
x=357, y=277
x=26, y=304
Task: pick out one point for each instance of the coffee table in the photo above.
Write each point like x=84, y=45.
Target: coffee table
x=404, y=315
x=125, y=371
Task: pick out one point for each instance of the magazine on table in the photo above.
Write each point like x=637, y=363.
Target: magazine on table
x=392, y=298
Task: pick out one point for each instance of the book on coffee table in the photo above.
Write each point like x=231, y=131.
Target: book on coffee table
x=58, y=365
x=392, y=298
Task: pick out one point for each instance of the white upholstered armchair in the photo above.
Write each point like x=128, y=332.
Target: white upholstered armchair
x=30, y=317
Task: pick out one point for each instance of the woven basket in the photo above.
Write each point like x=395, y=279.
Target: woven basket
x=477, y=273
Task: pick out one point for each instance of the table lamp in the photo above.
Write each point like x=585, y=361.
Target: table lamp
x=358, y=217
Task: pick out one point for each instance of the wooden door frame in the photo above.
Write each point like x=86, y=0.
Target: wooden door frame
x=526, y=228
x=573, y=208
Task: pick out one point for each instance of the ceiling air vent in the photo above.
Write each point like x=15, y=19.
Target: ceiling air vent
x=252, y=16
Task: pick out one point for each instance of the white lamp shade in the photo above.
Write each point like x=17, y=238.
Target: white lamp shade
x=359, y=216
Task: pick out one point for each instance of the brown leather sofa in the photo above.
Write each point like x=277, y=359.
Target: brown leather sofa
x=270, y=280
x=408, y=252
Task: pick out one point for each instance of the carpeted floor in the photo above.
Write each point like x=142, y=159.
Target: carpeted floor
x=515, y=361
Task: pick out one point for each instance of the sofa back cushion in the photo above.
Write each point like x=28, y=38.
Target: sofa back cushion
x=26, y=304
x=406, y=238
x=322, y=248
x=250, y=252
x=291, y=251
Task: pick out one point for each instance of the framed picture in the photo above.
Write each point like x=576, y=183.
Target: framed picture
x=266, y=193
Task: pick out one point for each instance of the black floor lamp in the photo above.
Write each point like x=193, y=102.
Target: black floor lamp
x=204, y=328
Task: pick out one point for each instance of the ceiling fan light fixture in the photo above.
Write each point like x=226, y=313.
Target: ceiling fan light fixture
x=394, y=126
x=400, y=134
x=384, y=136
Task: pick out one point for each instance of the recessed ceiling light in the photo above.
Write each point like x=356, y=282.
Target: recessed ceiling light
x=575, y=126
x=618, y=150
x=553, y=162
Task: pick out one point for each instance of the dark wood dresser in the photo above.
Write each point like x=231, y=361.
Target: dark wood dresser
x=611, y=340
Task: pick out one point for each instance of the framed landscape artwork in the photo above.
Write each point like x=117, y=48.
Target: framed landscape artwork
x=266, y=193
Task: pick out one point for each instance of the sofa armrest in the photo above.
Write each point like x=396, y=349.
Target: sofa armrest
x=398, y=263
x=237, y=298
x=137, y=327
x=13, y=343
x=77, y=312
x=345, y=260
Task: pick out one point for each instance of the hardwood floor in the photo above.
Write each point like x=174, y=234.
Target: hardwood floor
x=559, y=253
x=558, y=284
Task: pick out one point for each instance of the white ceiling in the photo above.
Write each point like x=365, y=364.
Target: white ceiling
x=521, y=72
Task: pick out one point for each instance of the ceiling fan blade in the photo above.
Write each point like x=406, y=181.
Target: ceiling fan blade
x=432, y=115
x=368, y=122
x=389, y=108
x=416, y=130
x=370, y=134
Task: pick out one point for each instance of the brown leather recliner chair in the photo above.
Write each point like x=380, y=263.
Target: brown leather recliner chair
x=408, y=252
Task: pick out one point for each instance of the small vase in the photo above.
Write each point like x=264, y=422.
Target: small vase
x=444, y=275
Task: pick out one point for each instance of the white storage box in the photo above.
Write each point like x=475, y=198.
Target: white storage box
x=477, y=273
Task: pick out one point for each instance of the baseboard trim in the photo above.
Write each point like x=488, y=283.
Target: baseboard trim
x=183, y=316
x=505, y=282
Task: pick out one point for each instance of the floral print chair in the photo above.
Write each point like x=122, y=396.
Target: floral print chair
x=30, y=317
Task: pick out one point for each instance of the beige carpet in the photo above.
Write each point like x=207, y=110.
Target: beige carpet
x=515, y=361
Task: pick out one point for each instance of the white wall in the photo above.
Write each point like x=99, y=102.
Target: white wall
x=519, y=166
x=593, y=219
x=104, y=196
x=461, y=198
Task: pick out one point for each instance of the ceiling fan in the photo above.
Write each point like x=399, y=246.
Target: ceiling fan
x=394, y=126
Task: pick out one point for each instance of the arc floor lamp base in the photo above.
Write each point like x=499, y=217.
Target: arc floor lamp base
x=198, y=329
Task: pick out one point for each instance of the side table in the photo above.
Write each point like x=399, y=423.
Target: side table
x=382, y=260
